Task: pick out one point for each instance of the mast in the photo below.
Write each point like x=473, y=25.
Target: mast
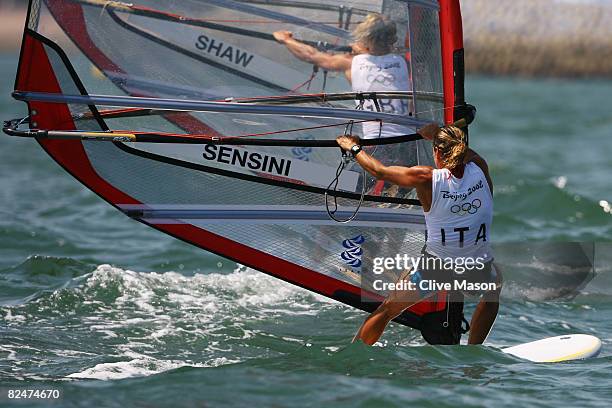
x=453, y=67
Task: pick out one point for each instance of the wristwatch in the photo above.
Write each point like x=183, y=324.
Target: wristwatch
x=355, y=150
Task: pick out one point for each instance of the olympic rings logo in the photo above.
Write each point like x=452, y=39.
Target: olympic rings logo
x=385, y=80
x=467, y=208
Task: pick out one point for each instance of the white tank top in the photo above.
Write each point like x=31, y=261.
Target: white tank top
x=459, y=221
x=379, y=73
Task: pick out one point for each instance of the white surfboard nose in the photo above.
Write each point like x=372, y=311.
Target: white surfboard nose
x=560, y=348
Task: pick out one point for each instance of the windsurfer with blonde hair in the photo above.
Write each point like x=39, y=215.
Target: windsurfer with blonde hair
x=457, y=200
x=372, y=67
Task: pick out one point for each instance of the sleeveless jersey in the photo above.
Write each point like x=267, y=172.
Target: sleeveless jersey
x=459, y=221
x=380, y=73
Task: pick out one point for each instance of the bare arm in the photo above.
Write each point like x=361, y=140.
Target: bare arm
x=416, y=177
x=307, y=53
x=402, y=176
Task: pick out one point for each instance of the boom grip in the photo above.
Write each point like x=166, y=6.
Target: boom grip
x=467, y=114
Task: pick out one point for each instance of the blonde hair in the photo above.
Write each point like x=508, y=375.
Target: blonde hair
x=451, y=142
x=376, y=31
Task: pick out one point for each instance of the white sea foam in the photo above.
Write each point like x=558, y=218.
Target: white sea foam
x=151, y=309
x=140, y=366
x=10, y=317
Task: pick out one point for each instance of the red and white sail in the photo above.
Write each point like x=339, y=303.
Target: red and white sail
x=260, y=205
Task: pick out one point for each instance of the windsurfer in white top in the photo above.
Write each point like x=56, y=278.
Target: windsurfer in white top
x=458, y=204
x=372, y=67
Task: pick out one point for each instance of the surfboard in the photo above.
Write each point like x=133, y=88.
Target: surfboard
x=557, y=349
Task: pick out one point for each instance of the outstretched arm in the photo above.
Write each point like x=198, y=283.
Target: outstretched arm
x=307, y=53
x=416, y=176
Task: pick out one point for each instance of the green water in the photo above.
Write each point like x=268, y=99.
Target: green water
x=168, y=324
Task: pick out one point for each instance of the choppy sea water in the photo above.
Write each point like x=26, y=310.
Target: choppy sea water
x=115, y=314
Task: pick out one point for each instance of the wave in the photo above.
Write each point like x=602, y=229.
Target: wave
x=113, y=323
x=136, y=319
x=524, y=212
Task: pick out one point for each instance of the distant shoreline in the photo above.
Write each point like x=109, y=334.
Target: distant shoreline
x=538, y=38
x=537, y=60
